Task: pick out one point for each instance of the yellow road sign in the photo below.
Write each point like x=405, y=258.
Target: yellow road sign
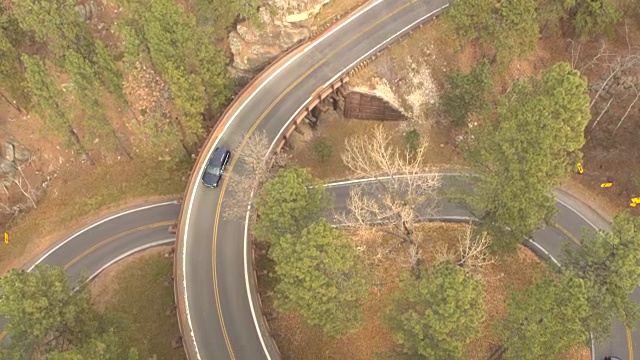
x=606, y=185
x=580, y=169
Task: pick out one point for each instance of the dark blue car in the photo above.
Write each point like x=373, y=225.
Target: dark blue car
x=215, y=167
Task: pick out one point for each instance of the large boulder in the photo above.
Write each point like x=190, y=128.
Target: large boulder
x=280, y=25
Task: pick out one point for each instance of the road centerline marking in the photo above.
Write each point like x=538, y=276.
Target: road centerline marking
x=241, y=146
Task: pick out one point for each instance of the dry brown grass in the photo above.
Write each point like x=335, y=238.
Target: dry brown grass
x=297, y=340
x=334, y=130
x=78, y=198
x=139, y=288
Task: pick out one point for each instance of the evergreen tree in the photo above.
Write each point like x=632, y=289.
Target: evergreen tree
x=319, y=276
x=527, y=151
x=467, y=93
x=510, y=27
x=43, y=313
x=594, y=17
x=545, y=319
x=437, y=313
x=11, y=74
x=57, y=24
x=47, y=320
x=220, y=15
x=48, y=102
x=183, y=56
x=289, y=203
x=608, y=262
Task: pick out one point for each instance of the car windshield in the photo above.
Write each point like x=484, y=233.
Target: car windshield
x=213, y=170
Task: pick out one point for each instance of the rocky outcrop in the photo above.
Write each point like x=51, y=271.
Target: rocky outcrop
x=280, y=25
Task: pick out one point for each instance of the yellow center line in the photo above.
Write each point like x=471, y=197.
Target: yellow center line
x=242, y=144
x=577, y=241
x=567, y=233
x=629, y=343
x=105, y=242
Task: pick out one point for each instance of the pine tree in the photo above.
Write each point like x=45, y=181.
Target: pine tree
x=527, y=151
x=289, y=203
x=437, y=313
x=509, y=27
x=43, y=313
x=319, y=276
x=47, y=103
x=608, y=262
x=545, y=319
x=183, y=56
x=11, y=74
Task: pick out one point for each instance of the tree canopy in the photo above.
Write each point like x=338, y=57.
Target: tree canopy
x=526, y=151
x=320, y=276
x=467, y=93
x=437, y=313
x=47, y=320
x=608, y=262
x=289, y=203
x=510, y=27
x=544, y=319
x=183, y=55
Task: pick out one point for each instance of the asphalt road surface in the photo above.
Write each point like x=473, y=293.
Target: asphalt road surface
x=221, y=308
x=220, y=305
x=95, y=247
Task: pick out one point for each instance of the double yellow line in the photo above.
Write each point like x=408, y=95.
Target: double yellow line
x=579, y=243
x=105, y=242
x=243, y=143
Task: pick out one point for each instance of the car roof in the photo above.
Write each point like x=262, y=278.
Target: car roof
x=217, y=155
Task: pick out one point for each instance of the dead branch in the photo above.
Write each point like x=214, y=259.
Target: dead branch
x=628, y=108
x=474, y=251
x=26, y=188
x=602, y=112
x=399, y=194
x=255, y=166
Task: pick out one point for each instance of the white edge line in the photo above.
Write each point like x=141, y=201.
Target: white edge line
x=577, y=212
x=355, y=181
x=233, y=117
x=382, y=44
x=246, y=277
x=129, y=253
x=83, y=230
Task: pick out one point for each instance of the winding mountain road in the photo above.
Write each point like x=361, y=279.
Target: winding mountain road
x=221, y=314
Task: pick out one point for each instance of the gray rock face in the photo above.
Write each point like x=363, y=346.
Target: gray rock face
x=21, y=153
x=8, y=152
x=281, y=25
x=87, y=11
x=7, y=168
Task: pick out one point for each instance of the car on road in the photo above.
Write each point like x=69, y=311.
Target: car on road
x=215, y=167
x=611, y=358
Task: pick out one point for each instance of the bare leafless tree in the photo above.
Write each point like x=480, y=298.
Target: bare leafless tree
x=400, y=191
x=25, y=187
x=255, y=165
x=472, y=253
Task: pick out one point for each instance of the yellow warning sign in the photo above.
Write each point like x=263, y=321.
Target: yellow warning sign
x=580, y=169
x=606, y=185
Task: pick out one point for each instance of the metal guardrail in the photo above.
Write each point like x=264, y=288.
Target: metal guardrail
x=320, y=94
